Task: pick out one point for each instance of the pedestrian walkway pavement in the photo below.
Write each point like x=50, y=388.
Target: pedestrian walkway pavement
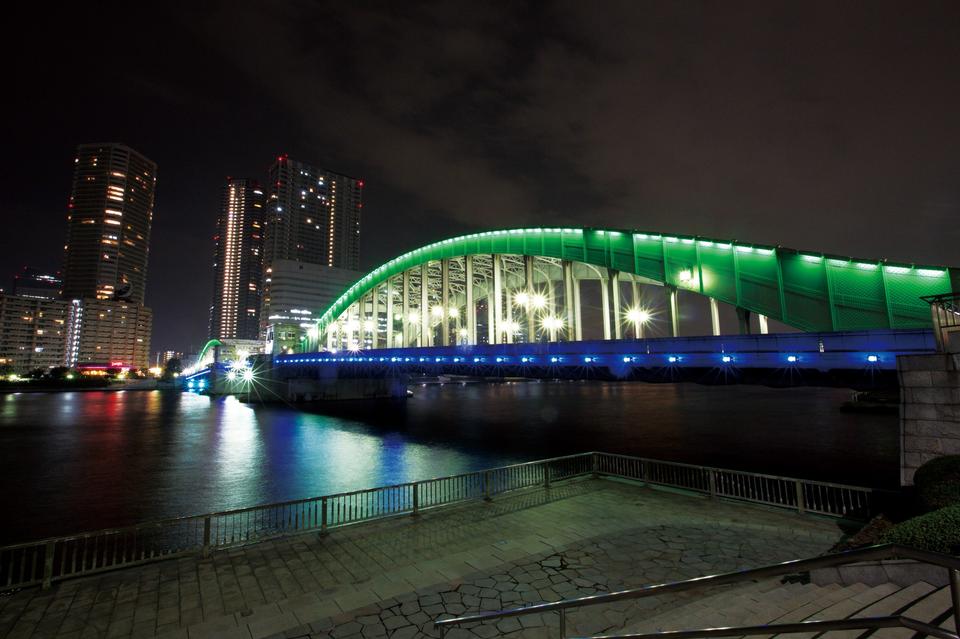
x=394, y=578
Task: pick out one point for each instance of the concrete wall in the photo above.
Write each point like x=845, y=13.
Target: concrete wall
x=929, y=409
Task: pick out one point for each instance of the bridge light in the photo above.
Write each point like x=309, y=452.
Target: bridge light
x=368, y=325
x=589, y=359
x=524, y=359
x=673, y=359
x=248, y=375
x=685, y=275
x=792, y=359
x=554, y=360
x=726, y=359
x=454, y=312
x=627, y=359
x=499, y=360
x=873, y=359
x=539, y=300
x=232, y=375
x=638, y=315
x=437, y=311
x=413, y=318
x=189, y=384
x=463, y=332
x=521, y=298
x=201, y=385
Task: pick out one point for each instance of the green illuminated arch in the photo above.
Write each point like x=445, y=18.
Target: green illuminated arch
x=203, y=351
x=807, y=290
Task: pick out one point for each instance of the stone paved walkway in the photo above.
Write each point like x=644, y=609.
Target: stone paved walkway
x=393, y=578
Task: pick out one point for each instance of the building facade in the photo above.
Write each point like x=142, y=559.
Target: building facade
x=108, y=223
x=33, y=332
x=301, y=291
x=112, y=334
x=312, y=217
x=238, y=262
x=32, y=282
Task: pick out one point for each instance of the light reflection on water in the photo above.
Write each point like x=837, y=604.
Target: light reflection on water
x=78, y=461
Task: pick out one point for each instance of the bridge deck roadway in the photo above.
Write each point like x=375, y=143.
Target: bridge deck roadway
x=393, y=578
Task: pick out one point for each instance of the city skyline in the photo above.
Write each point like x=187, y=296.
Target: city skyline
x=720, y=136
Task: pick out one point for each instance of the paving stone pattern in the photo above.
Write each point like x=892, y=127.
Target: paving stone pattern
x=393, y=578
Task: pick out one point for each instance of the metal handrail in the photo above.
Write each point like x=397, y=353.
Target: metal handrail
x=860, y=623
x=883, y=551
x=57, y=558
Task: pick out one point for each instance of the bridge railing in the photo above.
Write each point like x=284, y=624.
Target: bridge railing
x=49, y=560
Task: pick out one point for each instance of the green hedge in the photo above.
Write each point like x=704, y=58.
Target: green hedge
x=938, y=531
x=938, y=482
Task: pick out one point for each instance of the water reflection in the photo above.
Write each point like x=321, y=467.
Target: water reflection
x=88, y=460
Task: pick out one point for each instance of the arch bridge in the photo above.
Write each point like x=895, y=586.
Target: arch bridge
x=527, y=285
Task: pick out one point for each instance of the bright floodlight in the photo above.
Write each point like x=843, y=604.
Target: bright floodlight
x=685, y=276
x=512, y=327
x=872, y=359
x=231, y=376
x=727, y=359
x=243, y=354
x=521, y=298
x=791, y=358
x=413, y=318
x=437, y=311
x=552, y=323
x=454, y=313
x=638, y=315
x=248, y=375
x=464, y=332
x=539, y=300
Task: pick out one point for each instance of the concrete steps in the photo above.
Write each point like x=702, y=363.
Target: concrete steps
x=773, y=603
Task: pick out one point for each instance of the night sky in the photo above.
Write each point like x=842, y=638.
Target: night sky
x=826, y=126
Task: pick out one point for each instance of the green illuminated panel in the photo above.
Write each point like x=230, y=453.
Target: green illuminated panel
x=809, y=291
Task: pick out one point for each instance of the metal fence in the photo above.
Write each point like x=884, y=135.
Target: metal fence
x=49, y=560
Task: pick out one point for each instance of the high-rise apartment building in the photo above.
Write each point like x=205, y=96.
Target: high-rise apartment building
x=108, y=223
x=33, y=332
x=238, y=262
x=312, y=217
x=113, y=334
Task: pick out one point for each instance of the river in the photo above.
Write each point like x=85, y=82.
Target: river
x=86, y=460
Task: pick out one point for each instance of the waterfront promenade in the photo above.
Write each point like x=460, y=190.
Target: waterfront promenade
x=393, y=578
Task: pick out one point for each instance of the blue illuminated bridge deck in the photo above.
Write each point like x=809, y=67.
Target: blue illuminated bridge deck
x=856, y=358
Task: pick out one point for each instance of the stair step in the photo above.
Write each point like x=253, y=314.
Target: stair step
x=893, y=604
x=927, y=609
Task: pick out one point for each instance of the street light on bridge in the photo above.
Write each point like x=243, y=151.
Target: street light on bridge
x=639, y=317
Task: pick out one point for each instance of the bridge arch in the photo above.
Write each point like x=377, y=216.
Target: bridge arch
x=807, y=290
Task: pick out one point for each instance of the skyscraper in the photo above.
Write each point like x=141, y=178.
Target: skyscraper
x=313, y=217
x=108, y=223
x=105, y=257
x=238, y=262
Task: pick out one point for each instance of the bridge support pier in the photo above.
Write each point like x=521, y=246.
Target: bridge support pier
x=615, y=302
x=497, y=301
x=445, y=302
x=424, y=338
x=389, y=310
x=715, y=316
x=605, y=306
x=674, y=307
x=743, y=319
x=470, y=309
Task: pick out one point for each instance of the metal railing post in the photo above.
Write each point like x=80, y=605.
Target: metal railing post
x=486, y=485
x=563, y=623
x=206, y=537
x=595, y=464
x=644, y=471
x=955, y=596
x=800, y=505
x=713, y=484
x=416, y=499
x=323, y=516
x=546, y=475
x=49, y=551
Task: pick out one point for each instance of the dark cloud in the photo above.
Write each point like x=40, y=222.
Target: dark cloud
x=816, y=124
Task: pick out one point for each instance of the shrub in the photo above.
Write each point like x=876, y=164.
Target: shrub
x=938, y=531
x=938, y=482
